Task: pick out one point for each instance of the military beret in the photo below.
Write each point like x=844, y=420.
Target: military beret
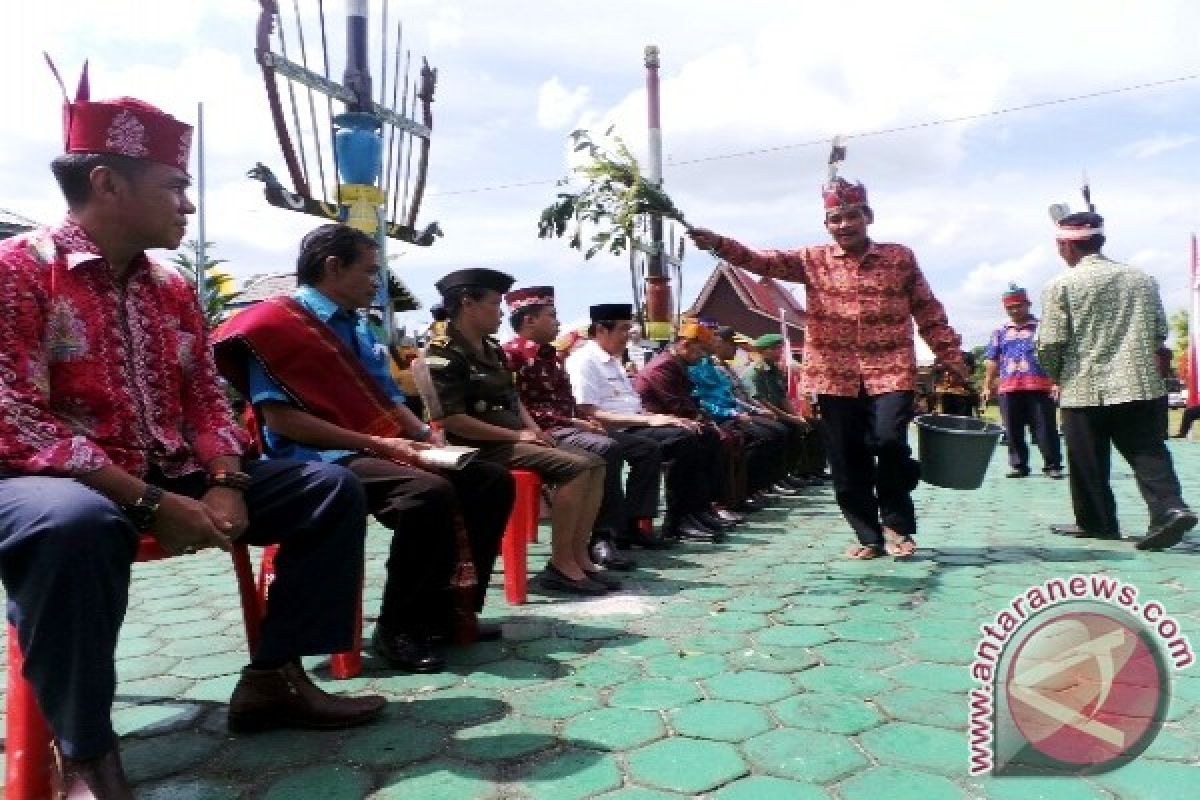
x=483, y=278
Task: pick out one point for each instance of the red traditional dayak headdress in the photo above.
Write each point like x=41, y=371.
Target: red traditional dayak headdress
x=123, y=126
x=530, y=296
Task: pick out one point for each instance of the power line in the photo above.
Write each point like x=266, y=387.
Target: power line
x=862, y=134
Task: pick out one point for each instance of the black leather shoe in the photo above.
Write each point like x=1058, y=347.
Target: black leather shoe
x=750, y=504
x=102, y=777
x=556, y=580
x=714, y=522
x=796, y=482
x=406, y=653
x=1169, y=531
x=781, y=489
x=648, y=540
x=1076, y=532
x=727, y=515
x=606, y=554
x=603, y=578
x=1017, y=472
x=690, y=530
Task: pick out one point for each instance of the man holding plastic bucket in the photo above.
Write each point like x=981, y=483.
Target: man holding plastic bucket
x=859, y=357
x=1102, y=323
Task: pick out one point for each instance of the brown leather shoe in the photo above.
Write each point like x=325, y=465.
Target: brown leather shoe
x=101, y=778
x=287, y=698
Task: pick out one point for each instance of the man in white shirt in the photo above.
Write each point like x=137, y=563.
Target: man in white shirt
x=605, y=394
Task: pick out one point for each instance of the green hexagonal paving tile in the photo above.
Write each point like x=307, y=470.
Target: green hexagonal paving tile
x=860, y=655
x=189, y=789
x=793, y=636
x=739, y=621
x=603, y=672
x=636, y=647
x=810, y=615
x=638, y=793
x=188, y=648
x=392, y=744
x=1143, y=779
x=654, y=694
x=1023, y=787
x=804, y=755
x=843, y=680
x=944, y=709
x=572, y=775
x=457, y=706
x=155, y=718
x=273, y=750
x=614, y=729
x=210, y=666
x=147, y=666
x=766, y=787
x=685, y=665
x=213, y=690
x=686, y=765
x=761, y=604
x=772, y=659
x=320, y=783
x=943, y=651
x=935, y=677
x=437, y=780
x=513, y=673
x=205, y=628
x=152, y=688
x=556, y=701
x=511, y=737
x=150, y=759
x=720, y=720
x=750, y=686
x=553, y=649
x=824, y=711
x=899, y=784
x=906, y=744
x=868, y=631
x=398, y=684
x=713, y=643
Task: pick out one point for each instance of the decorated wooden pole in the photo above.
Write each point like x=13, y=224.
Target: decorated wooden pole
x=658, y=282
x=1193, y=377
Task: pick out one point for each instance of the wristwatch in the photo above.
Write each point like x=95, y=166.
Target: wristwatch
x=229, y=479
x=143, y=511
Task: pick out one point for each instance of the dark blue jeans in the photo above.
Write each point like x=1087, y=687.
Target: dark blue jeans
x=65, y=557
x=1036, y=411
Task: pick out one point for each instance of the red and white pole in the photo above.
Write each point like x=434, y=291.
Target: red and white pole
x=658, y=282
x=1193, y=379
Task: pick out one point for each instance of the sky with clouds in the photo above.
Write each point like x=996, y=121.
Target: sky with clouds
x=755, y=78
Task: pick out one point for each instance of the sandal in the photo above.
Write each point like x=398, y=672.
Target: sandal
x=864, y=552
x=898, y=545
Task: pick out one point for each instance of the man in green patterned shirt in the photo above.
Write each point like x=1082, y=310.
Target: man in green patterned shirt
x=1102, y=324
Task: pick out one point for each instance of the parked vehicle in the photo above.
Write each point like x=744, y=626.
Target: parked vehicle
x=1177, y=396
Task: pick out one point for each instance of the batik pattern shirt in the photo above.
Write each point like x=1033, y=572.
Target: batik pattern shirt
x=1102, y=325
x=858, y=329
x=713, y=390
x=96, y=371
x=542, y=382
x=1013, y=348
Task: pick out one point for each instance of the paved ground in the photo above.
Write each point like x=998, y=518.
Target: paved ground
x=766, y=668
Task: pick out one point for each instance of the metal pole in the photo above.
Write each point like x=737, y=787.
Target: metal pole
x=357, y=76
x=658, y=282
x=201, y=231
x=1194, y=331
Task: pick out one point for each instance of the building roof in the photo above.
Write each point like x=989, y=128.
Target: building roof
x=261, y=287
x=765, y=296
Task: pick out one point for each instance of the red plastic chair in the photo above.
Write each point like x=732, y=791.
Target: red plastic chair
x=27, y=747
x=521, y=529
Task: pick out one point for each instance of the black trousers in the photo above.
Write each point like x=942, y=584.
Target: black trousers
x=66, y=553
x=871, y=463
x=689, y=460
x=762, y=450
x=1190, y=415
x=626, y=497
x=419, y=507
x=1036, y=411
x=1135, y=429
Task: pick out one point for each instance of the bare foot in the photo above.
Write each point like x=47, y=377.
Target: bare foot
x=897, y=544
x=863, y=552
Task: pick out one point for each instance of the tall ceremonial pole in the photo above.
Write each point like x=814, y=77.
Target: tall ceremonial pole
x=658, y=282
x=358, y=149
x=1193, y=382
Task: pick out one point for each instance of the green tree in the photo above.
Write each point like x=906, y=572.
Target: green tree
x=218, y=284
x=1177, y=322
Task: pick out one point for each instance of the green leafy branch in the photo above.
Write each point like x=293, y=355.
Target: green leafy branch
x=615, y=194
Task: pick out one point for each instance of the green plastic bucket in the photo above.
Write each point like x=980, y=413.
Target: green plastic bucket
x=955, y=451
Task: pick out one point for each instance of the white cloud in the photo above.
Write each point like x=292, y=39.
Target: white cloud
x=1157, y=145
x=558, y=105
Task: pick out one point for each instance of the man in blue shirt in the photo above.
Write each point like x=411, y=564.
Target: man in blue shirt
x=320, y=384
